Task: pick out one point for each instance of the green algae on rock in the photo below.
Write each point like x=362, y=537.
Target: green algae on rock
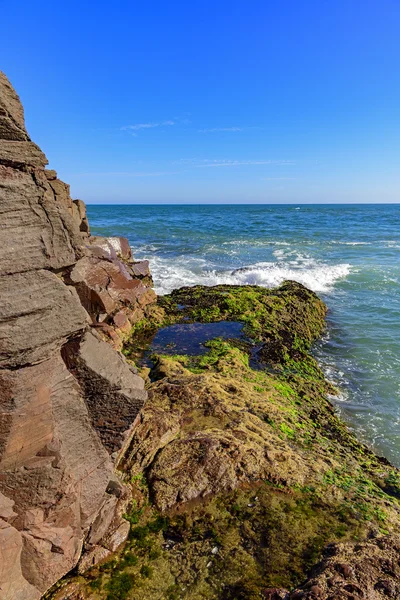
x=242, y=476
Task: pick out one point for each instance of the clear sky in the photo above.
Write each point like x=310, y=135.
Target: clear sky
x=211, y=100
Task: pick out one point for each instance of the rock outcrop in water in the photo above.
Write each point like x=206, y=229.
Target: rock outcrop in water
x=245, y=483
x=68, y=399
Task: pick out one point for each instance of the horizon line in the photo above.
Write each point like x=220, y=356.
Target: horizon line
x=242, y=203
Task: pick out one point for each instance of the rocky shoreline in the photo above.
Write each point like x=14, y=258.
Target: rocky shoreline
x=221, y=474
x=69, y=399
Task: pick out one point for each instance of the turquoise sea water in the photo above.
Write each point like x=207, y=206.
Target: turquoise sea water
x=349, y=255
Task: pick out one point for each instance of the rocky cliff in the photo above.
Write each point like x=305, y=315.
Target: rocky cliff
x=68, y=398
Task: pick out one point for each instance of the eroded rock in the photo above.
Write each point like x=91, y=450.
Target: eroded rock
x=60, y=416
x=368, y=570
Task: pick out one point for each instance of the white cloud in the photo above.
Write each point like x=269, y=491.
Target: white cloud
x=217, y=129
x=138, y=126
x=240, y=163
x=129, y=174
x=206, y=162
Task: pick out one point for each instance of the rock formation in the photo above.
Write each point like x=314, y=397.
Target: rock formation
x=243, y=482
x=246, y=485
x=68, y=399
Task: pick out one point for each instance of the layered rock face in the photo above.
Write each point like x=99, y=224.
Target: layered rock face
x=68, y=399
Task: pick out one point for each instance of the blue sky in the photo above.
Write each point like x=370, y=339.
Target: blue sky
x=212, y=101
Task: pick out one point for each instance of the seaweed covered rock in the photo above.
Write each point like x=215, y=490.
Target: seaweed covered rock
x=369, y=569
x=243, y=477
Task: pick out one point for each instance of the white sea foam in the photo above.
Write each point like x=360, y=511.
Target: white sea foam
x=169, y=274
x=255, y=243
x=341, y=243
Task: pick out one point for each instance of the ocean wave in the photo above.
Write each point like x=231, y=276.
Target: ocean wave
x=171, y=274
x=318, y=277
x=255, y=243
x=350, y=243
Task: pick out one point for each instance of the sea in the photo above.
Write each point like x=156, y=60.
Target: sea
x=348, y=254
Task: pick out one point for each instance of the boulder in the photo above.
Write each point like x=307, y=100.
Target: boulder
x=53, y=467
x=114, y=393
x=107, y=285
x=36, y=232
x=118, y=246
x=84, y=223
x=369, y=570
x=37, y=314
x=141, y=269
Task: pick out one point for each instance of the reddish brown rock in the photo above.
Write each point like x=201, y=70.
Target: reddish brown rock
x=141, y=269
x=94, y=556
x=109, y=290
x=67, y=399
x=81, y=210
x=53, y=467
x=369, y=570
x=114, y=393
x=114, y=246
x=121, y=321
x=121, y=247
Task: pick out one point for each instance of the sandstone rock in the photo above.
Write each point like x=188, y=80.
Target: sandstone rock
x=47, y=442
x=106, y=286
x=94, y=556
x=36, y=234
x=121, y=247
x=121, y=321
x=13, y=585
x=372, y=572
x=12, y=123
x=21, y=153
x=59, y=413
x=84, y=223
x=116, y=246
x=118, y=537
x=102, y=521
x=113, y=393
x=141, y=269
x=37, y=313
x=50, y=174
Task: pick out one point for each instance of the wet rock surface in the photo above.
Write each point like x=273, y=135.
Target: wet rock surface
x=63, y=422
x=244, y=480
x=367, y=570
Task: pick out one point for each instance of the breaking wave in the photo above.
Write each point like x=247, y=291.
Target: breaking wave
x=184, y=271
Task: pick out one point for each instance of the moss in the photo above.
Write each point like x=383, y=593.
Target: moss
x=287, y=430
x=317, y=484
x=146, y=571
x=119, y=586
x=290, y=314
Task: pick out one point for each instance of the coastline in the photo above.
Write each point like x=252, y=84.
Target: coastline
x=222, y=474
x=245, y=471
